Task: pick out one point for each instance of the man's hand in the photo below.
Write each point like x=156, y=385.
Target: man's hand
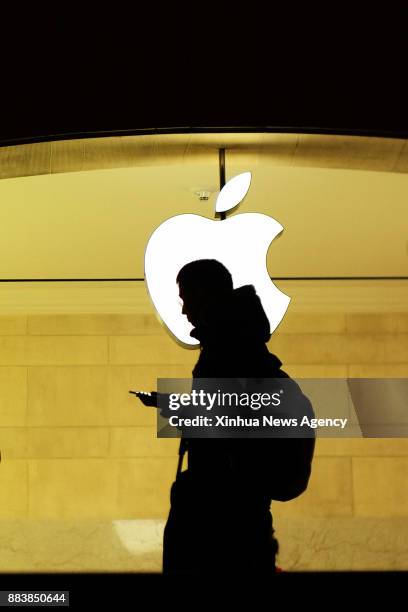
x=148, y=399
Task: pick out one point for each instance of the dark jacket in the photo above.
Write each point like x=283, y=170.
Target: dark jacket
x=233, y=344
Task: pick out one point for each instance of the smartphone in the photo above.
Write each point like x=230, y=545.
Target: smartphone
x=148, y=398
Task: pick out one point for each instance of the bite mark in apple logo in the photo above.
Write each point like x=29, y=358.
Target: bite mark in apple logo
x=240, y=242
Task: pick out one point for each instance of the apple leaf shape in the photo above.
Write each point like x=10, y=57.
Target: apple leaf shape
x=233, y=192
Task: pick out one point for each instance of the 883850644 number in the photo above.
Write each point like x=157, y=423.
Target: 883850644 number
x=34, y=598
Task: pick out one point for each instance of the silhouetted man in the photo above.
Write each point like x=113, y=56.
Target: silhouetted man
x=220, y=520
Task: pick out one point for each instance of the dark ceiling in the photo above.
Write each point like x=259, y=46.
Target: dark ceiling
x=69, y=75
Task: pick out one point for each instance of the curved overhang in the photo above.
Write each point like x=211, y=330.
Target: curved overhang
x=380, y=154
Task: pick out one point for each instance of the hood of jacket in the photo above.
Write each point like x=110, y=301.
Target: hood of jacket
x=239, y=317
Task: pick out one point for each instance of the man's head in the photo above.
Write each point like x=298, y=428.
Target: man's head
x=200, y=282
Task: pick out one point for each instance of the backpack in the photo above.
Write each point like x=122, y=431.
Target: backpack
x=277, y=468
x=284, y=464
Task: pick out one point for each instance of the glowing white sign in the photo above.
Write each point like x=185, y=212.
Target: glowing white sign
x=240, y=243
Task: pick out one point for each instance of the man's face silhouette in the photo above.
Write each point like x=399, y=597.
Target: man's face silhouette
x=192, y=303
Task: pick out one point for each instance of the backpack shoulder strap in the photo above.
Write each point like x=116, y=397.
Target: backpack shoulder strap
x=182, y=451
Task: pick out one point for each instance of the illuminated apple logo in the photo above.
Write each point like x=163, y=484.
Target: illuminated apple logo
x=240, y=243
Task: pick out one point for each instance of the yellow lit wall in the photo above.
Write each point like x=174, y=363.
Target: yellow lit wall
x=84, y=481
